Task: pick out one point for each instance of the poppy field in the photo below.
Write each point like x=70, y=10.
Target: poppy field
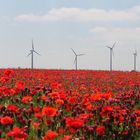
x=69, y=105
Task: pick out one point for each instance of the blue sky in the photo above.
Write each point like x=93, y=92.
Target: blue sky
x=87, y=26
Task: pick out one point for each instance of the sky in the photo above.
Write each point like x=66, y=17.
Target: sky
x=56, y=26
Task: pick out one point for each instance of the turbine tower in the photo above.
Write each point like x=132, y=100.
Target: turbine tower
x=135, y=60
x=111, y=54
x=76, y=58
x=32, y=51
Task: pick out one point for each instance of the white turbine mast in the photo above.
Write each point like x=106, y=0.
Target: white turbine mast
x=135, y=60
x=111, y=55
x=32, y=51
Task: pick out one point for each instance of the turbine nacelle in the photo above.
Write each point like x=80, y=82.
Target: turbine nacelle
x=32, y=50
x=111, y=48
x=135, y=53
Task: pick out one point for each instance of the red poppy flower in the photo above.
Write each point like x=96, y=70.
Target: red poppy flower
x=54, y=95
x=100, y=130
x=4, y=79
x=36, y=109
x=66, y=137
x=61, y=130
x=96, y=97
x=8, y=72
x=138, y=119
x=44, y=97
x=36, y=124
x=137, y=111
x=137, y=123
x=26, y=99
x=84, y=117
x=125, y=132
x=19, y=138
x=38, y=115
x=59, y=102
x=50, y=135
x=17, y=133
x=49, y=111
x=63, y=96
x=55, y=85
x=74, y=123
x=106, y=110
x=6, y=120
x=13, y=108
x=20, y=85
x=73, y=100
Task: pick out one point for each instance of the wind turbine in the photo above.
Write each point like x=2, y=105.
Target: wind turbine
x=111, y=54
x=135, y=60
x=76, y=56
x=32, y=51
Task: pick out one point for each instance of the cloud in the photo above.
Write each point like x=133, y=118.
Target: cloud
x=135, y=9
x=128, y=37
x=120, y=31
x=98, y=30
x=83, y=15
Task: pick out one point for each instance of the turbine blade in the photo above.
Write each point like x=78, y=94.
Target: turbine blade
x=32, y=44
x=75, y=60
x=113, y=45
x=37, y=52
x=108, y=47
x=81, y=54
x=29, y=54
x=73, y=51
